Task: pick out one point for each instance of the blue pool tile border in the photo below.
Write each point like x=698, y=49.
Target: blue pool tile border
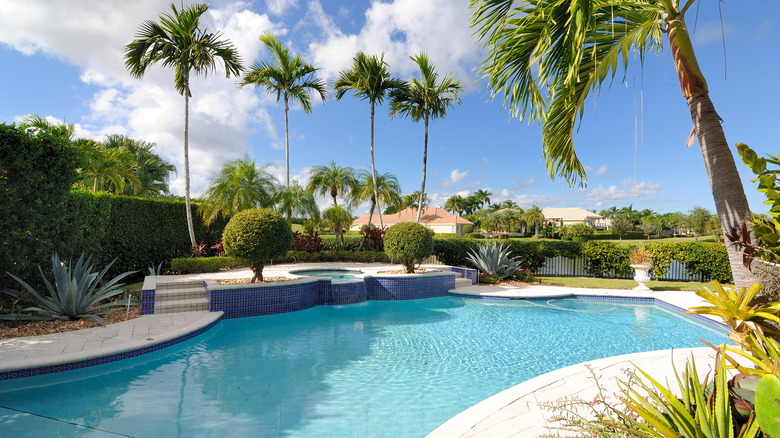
x=49, y=369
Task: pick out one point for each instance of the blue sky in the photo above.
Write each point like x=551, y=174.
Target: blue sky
x=63, y=60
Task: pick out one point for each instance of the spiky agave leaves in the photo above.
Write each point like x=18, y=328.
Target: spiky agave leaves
x=494, y=259
x=75, y=293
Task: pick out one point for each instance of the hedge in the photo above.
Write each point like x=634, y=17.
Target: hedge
x=198, y=265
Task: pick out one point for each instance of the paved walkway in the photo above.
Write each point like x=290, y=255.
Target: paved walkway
x=515, y=412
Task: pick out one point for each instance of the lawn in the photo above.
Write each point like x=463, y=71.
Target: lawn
x=617, y=283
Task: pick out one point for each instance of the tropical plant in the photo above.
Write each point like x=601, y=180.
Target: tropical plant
x=388, y=189
x=178, y=42
x=534, y=216
x=698, y=221
x=296, y=200
x=333, y=181
x=339, y=218
x=241, y=184
x=408, y=243
x=493, y=259
x=546, y=57
x=149, y=170
x=621, y=224
x=373, y=239
x=425, y=99
x=368, y=79
x=289, y=77
x=257, y=236
x=74, y=294
x=455, y=204
x=107, y=169
x=482, y=196
x=310, y=242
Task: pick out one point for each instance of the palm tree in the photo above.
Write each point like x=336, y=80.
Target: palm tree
x=387, y=187
x=455, y=204
x=295, y=199
x=534, y=216
x=368, y=79
x=333, y=181
x=179, y=43
x=483, y=196
x=339, y=217
x=108, y=169
x=547, y=57
x=425, y=99
x=289, y=78
x=240, y=185
x=151, y=170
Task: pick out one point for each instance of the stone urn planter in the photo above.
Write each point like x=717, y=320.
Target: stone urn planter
x=642, y=276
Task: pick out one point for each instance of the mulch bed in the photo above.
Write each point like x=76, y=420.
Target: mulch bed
x=9, y=329
x=249, y=280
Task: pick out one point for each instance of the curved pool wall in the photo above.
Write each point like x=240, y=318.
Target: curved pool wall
x=243, y=300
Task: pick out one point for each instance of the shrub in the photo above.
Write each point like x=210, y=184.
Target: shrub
x=257, y=236
x=373, y=239
x=190, y=265
x=351, y=243
x=408, y=242
x=488, y=279
x=309, y=242
x=453, y=251
x=74, y=294
x=494, y=259
x=606, y=259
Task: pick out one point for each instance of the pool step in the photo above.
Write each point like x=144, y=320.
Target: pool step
x=462, y=282
x=184, y=296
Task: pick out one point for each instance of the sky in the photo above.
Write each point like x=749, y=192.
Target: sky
x=64, y=61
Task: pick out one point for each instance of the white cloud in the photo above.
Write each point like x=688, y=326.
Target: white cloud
x=277, y=7
x=456, y=175
x=603, y=170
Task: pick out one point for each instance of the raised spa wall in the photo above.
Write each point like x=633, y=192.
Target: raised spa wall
x=242, y=300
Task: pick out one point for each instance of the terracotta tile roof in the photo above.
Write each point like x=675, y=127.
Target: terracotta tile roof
x=430, y=216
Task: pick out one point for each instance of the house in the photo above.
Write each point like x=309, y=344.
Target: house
x=437, y=219
x=573, y=215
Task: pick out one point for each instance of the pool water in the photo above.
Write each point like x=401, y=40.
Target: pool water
x=375, y=369
x=335, y=274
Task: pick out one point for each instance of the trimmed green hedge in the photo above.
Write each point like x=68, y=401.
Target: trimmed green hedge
x=532, y=253
x=198, y=265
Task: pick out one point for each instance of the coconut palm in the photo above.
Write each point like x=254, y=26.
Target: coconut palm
x=295, y=199
x=178, y=42
x=455, y=204
x=333, y=181
x=534, y=216
x=425, y=99
x=545, y=58
x=387, y=188
x=150, y=169
x=368, y=79
x=240, y=185
x=289, y=77
x=483, y=196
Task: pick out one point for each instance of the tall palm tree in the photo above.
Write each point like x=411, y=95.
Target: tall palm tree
x=455, y=204
x=534, y=216
x=387, y=188
x=425, y=99
x=368, y=79
x=152, y=171
x=178, y=42
x=483, y=196
x=546, y=57
x=295, y=199
x=289, y=77
x=240, y=185
x=333, y=181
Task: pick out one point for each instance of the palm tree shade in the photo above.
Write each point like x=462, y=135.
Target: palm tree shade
x=368, y=79
x=425, y=99
x=332, y=180
x=178, y=42
x=546, y=57
x=289, y=77
x=387, y=188
x=240, y=185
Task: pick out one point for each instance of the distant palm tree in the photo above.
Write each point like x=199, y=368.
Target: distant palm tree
x=107, y=169
x=455, y=204
x=425, y=99
x=483, y=196
x=289, y=78
x=508, y=204
x=240, y=185
x=368, y=79
x=339, y=217
x=178, y=42
x=534, y=216
x=333, y=181
x=387, y=187
x=295, y=199
x=36, y=124
x=152, y=171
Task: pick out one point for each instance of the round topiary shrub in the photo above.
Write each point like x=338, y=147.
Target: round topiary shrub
x=409, y=243
x=257, y=236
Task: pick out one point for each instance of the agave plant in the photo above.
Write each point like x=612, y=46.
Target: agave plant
x=495, y=260
x=75, y=293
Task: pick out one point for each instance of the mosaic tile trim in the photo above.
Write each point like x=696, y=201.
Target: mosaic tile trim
x=340, y=293
x=147, y=302
x=471, y=274
x=409, y=287
x=30, y=372
x=254, y=301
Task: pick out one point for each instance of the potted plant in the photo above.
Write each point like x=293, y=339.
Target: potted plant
x=641, y=262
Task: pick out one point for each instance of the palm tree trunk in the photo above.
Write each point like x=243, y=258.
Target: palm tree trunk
x=286, y=143
x=373, y=175
x=425, y=167
x=190, y=228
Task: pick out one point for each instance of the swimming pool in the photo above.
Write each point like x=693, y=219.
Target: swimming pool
x=334, y=274
x=377, y=368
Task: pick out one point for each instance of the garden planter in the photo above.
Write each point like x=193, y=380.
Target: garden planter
x=642, y=276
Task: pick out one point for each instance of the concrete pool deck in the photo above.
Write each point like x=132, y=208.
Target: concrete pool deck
x=515, y=412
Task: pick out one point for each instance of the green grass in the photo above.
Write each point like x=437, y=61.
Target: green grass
x=617, y=283
x=298, y=228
